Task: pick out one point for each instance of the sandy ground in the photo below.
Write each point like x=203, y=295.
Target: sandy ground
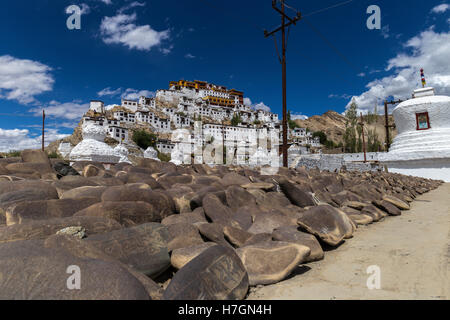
x=411, y=250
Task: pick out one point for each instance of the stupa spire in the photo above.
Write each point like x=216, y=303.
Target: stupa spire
x=423, y=78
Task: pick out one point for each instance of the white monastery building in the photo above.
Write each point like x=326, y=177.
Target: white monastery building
x=180, y=106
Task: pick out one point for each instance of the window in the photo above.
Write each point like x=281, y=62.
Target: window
x=423, y=121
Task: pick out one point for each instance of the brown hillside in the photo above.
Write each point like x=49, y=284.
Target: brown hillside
x=333, y=124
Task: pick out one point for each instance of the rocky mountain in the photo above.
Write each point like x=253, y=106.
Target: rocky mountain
x=333, y=124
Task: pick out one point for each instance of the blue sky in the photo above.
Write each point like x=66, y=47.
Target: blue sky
x=129, y=48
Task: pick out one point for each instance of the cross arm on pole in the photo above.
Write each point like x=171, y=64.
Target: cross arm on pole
x=298, y=17
x=268, y=34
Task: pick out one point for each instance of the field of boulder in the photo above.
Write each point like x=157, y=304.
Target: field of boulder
x=161, y=231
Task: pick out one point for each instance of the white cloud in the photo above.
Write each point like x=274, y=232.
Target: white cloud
x=362, y=74
x=298, y=116
x=20, y=139
x=22, y=79
x=428, y=50
x=247, y=102
x=133, y=94
x=441, y=8
x=121, y=29
x=69, y=110
x=109, y=92
x=189, y=56
x=261, y=106
x=130, y=93
x=131, y=5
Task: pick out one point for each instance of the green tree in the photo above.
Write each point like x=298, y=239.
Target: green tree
x=322, y=136
x=236, y=119
x=144, y=139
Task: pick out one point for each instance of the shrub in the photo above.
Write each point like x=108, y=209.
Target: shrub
x=165, y=157
x=144, y=139
x=53, y=155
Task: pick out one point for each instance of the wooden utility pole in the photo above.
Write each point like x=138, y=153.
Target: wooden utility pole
x=283, y=26
x=386, y=121
x=43, y=129
x=364, y=139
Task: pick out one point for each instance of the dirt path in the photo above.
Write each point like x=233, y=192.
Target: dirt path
x=412, y=251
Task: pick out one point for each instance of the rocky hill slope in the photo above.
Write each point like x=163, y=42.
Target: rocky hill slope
x=333, y=124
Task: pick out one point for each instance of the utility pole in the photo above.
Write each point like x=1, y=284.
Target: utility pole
x=43, y=129
x=364, y=139
x=283, y=26
x=386, y=121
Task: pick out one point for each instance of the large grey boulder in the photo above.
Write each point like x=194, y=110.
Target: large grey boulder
x=271, y=262
x=329, y=224
x=216, y=274
x=143, y=247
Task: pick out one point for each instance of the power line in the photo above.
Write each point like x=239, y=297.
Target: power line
x=333, y=47
x=328, y=8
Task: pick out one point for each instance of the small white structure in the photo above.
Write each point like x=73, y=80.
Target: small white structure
x=65, y=148
x=122, y=151
x=92, y=147
x=422, y=147
x=97, y=106
x=151, y=153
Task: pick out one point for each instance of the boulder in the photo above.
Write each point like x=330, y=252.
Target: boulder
x=387, y=207
x=375, y=213
x=9, y=198
x=47, y=272
x=181, y=197
x=46, y=209
x=266, y=186
x=238, y=197
x=233, y=178
x=10, y=186
x=216, y=274
x=71, y=182
x=258, y=238
x=182, y=235
x=297, y=196
x=127, y=213
x=329, y=224
x=63, y=169
x=85, y=250
x=213, y=232
x=91, y=171
x=292, y=234
x=181, y=257
x=266, y=222
x=84, y=192
x=40, y=229
x=34, y=156
x=215, y=210
x=143, y=247
x=236, y=236
x=244, y=216
x=271, y=262
x=402, y=205
x=196, y=216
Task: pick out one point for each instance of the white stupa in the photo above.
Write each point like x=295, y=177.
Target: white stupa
x=151, y=153
x=122, y=152
x=422, y=147
x=92, y=147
